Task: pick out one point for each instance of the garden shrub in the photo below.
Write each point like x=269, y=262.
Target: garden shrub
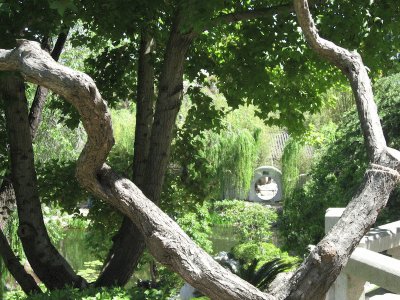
x=253, y=225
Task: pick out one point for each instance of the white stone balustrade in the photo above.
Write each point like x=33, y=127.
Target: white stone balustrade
x=366, y=263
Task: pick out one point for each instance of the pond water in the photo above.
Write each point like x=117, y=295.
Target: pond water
x=74, y=248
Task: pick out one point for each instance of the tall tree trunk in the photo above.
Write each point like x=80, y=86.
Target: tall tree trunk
x=7, y=196
x=128, y=243
x=152, y=150
x=45, y=260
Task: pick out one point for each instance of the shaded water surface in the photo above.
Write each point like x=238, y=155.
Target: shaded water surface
x=74, y=248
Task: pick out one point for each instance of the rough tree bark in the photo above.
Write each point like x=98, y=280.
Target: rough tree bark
x=7, y=195
x=163, y=237
x=45, y=260
x=314, y=277
x=7, y=200
x=128, y=243
x=148, y=174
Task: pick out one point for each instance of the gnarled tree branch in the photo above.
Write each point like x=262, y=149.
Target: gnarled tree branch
x=164, y=238
x=353, y=67
x=314, y=277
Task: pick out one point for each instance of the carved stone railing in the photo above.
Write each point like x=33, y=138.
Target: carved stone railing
x=367, y=264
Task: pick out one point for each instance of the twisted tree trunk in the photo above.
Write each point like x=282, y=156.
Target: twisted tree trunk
x=164, y=238
x=314, y=277
x=7, y=193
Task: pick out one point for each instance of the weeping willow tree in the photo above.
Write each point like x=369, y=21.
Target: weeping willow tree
x=236, y=153
x=291, y=160
x=296, y=164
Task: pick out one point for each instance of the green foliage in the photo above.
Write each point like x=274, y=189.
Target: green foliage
x=259, y=258
x=62, y=5
x=67, y=193
x=3, y=272
x=121, y=155
x=114, y=71
x=104, y=224
x=290, y=167
x=276, y=71
x=263, y=252
x=11, y=233
x=338, y=172
x=251, y=220
x=236, y=153
x=16, y=15
x=262, y=276
x=224, y=163
x=65, y=143
x=197, y=225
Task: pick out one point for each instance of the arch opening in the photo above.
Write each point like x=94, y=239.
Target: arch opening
x=266, y=185
x=266, y=188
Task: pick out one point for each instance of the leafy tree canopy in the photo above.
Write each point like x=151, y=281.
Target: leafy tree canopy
x=254, y=48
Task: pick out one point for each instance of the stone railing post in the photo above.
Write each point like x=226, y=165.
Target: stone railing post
x=346, y=287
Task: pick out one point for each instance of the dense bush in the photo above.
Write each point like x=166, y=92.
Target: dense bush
x=253, y=225
x=338, y=172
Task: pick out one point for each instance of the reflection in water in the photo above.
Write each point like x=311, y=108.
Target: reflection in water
x=73, y=247
x=224, y=238
x=75, y=250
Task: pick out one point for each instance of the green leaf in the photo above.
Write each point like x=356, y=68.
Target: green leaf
x=62, y=5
